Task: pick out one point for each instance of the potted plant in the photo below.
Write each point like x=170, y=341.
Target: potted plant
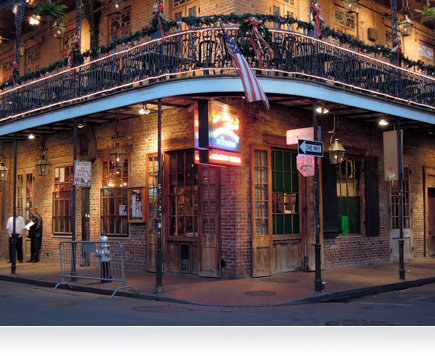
x=426, y=12
x=51, y=11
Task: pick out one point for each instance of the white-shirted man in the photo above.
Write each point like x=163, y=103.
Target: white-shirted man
x=19, y=227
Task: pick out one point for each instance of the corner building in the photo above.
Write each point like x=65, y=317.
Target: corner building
x=252, y=218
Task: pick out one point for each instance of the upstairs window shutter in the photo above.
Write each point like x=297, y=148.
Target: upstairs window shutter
x=329, y=188
x=372, y=196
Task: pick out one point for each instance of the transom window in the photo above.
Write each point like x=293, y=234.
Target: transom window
x=348, y=197
x=63, y=182
x=285, y=193
x=114, y=219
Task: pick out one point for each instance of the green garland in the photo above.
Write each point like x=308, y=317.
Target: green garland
x=217, y=20
x=245, y=32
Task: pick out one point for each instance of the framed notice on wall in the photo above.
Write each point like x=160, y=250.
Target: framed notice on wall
x=136, y=204
x=82, y=173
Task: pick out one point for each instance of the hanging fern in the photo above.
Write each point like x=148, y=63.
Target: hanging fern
x=51, y=9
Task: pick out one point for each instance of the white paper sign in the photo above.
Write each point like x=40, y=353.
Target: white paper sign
x=82, y=173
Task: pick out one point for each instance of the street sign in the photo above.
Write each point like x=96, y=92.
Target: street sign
x=306, y=133
x=305, y=165
x=311, y=148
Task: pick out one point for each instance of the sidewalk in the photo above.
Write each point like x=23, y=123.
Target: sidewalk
x=281, y=289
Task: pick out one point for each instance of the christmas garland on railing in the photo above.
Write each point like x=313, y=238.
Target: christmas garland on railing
x=217, y=20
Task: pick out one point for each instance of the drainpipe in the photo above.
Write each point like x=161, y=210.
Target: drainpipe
x=318, y=284
x=14, y=214
x=159, y=259
x=400, y=164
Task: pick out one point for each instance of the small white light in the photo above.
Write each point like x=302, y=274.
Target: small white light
x=383, y=122
x=34, y=20
x=322, y=110
x=144, y=110
x=31, y=136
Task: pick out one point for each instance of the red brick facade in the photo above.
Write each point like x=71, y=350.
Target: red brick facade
x=139, y=136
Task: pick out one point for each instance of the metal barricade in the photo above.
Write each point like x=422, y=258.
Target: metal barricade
x=92, y=260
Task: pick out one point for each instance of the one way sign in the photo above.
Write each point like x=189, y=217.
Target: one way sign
x=311, y=148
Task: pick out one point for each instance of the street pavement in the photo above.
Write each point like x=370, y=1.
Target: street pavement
x=281, y=289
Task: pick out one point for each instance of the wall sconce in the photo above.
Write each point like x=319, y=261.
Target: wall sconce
x=336, y=149
x=43, y=165
x=350, y=6
x=144, y=110
x=4, y=171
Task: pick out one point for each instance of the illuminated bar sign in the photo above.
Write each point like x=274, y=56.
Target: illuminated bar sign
x=222, y=122
x=217, y=134
x=218, y=157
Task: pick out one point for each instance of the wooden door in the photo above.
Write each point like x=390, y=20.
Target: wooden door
x=261, y=208
x=209, y=227
x=429, y=188
x=394, y=218
x=181, y=207
x=431, y=221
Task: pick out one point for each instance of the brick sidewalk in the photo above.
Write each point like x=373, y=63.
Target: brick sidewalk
x=283, y=288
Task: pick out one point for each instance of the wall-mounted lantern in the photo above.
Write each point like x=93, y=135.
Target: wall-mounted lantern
x=351, y=6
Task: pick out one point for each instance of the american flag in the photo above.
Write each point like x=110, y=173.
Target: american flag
x=253, y=90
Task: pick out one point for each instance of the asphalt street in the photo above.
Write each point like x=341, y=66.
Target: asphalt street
x=28, y=305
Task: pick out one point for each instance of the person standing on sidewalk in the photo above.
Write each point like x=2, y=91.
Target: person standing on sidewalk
x=19, y=227
x=35, y=234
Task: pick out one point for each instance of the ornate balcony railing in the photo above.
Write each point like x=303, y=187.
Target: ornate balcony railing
x=202, y=52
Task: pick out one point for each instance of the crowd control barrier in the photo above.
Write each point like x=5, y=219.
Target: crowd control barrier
x=92, y=260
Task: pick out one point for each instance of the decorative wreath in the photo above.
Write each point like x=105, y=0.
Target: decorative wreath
x=254, y=39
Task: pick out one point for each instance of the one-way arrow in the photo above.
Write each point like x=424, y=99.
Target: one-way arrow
x=311, y=148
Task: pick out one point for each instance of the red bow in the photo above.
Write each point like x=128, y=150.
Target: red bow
x=316, y=18
x=163, y=32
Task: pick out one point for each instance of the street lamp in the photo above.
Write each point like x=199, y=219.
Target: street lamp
x=3, y=172
x=405, y=26
x=336, y=152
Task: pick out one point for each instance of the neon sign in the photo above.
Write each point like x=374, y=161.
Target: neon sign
x=218, y=158
x=224, y=126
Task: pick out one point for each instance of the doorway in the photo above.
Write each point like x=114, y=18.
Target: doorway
x=277, y=198
x=395, y=221
x=192, y=220
x=429, y=188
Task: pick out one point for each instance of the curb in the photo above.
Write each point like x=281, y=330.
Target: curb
x=325, y=298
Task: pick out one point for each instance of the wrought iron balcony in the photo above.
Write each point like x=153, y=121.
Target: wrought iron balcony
x=202, y=52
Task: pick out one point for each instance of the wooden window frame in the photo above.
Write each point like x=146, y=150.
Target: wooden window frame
x=344, y=179
x=110, y=193
x=58, y=187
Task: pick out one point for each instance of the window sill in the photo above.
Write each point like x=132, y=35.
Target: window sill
x=58, y=236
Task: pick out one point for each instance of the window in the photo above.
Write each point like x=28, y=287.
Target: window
x=389, y=38
x=395, y=203
x=33, y=57
x=62, y=200
x=67, y=43
x=426, y=53
x=285, y=193
x=114, y=217
x=6, y=69
x=119, y=26
x=348, y=197
x=183, y=195
x=345, y=19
